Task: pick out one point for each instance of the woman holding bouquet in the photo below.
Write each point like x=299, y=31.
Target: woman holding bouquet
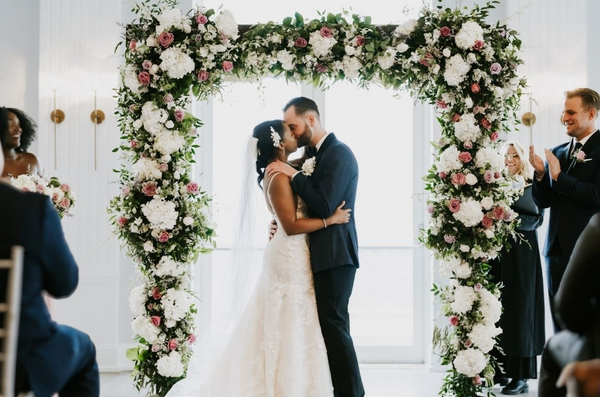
x=17, y=131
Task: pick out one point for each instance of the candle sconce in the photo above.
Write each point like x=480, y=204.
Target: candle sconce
x=57, y=116
x=97, y=117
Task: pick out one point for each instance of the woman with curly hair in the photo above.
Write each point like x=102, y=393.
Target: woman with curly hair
x=17, y=132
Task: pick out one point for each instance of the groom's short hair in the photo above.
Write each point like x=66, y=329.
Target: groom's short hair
x=589, y=98
x=302, y=105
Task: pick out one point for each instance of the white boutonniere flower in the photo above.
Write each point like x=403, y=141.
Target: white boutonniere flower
x=579, y=156
x=309, y=166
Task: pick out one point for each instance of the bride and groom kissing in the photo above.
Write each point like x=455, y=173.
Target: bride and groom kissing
x=292, y=338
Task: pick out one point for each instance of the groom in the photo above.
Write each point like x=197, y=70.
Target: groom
x=333, y=250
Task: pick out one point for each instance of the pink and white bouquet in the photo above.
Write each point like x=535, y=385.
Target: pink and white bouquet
x=60, y=193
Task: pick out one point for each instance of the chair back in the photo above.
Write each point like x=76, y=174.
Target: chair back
x=10, y=307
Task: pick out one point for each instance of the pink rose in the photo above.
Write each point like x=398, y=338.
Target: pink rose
x=456, y=117
x=468, y=145
x=65, y=203
x=155, y=348
x=201, y=19
x=163, y=167
x=478, y=45
x=155, y=320
x=300, y=42
x=122, y=221
x=192, y=338
x=499, y=213
x=468, y=343
x=54, y=195
x=496, y=175
x=165, y=39
x=458, y=179
x=172, y=345
x=149, y=189
x=486, y=123
x=133, y=45
x=164, y=237
x=227, y=66
x=449, y=239
x=321, y=68
x=442, y=175
x=494, y=136
x=203, y=75
x=477, y=380
x=496, y=68
x=441, y=104
x=168, y=98
x=147, y=64
x=150, y=306
x=454, y=205
x=144, y=78
x=156, y=293
x=445, y=31
x=487, y=222
x=478, y=109
x=198, y=37
x=424, y=62
x=179, y=114
x=193, y=188
x=326, y=32
x=508, y=216
x=360, y=41
x=65, y=188
x=430, y=209
x=465, y=157
x=453, y=320
x=580, y=155
x=133, y=144
x=478, y=287
x=475, y=88
x=126, y=190
x=488, y=176
x=133, y=108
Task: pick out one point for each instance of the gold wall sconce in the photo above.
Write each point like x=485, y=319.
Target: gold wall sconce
x=529, y=118
x=57, y=116
x=97, y=117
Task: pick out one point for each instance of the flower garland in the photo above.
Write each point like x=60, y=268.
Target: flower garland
x=61, y=195
x=450, y=59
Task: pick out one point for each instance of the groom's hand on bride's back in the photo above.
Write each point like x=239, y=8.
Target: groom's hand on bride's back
x=272, y=229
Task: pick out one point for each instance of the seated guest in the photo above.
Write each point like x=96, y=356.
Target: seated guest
x=17, y=132
x=51, y=357
x=577, y=308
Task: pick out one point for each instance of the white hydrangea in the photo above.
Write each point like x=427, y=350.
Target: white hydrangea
x=387, y=59
x=130, y=79
x=176, y=304
x=482, y=336
x=405, y=29
x=143, y=327
x=176, y=63
x=351, y=66
x=456, y=70
x=168, y=267
x=466, y=129
x=171, y=365
x=286, y=59
x=321, y=45
x=137, y=300
x=227, y=25
x=449, y=160
x=168, y=142
x=490, y=307
x=470, y=213
x=160, y=213
x=469, y=33
x=172, y=18
x=456, y=266
x=464, y=297
x=153, y=117
x=489, y=155
x=146, y=169
x=470, y=362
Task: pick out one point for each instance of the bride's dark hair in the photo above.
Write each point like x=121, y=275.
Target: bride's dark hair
x=265, y=145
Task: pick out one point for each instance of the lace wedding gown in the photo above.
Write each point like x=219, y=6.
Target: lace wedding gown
x=278, y=340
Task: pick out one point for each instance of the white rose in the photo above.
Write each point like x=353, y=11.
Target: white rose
x=402, y=47
x=436, y=69
x=447, y=52
x=188, y=221
x=151, y=41
x=471, y=179
x=148, y=246
x=468, y=102
x=487, y=203
x=169, y=124
x=465, y=248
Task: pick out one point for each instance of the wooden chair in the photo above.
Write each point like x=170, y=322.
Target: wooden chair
x=10, y=306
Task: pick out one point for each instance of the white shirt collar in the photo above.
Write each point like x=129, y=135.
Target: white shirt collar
x=584, y=140
x=318, y=146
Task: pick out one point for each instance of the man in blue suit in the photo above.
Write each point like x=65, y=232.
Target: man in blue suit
x=333, y=250
x=569, y=183
x=51, y=358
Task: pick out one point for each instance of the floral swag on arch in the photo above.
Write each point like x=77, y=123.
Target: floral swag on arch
x=450, y=58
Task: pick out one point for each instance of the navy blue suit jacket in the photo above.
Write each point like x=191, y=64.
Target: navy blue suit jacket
x=573, y=198
x=334, y=180
x=47, y=351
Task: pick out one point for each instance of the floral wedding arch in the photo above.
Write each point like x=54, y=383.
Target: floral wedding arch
x=449, y=58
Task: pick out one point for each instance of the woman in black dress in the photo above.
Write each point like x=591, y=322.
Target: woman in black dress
x=520, y=270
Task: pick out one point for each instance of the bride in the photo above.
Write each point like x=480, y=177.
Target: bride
x=274, y=347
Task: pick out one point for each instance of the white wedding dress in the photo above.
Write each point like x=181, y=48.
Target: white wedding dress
x=276, y=349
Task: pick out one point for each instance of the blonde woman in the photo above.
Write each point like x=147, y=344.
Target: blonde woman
x=519, y=269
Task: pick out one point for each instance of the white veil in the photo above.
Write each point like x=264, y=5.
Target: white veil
x=214, y=369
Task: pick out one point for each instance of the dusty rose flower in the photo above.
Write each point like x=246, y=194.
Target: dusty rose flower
x=449, y=238
x=300, y=42
x=126, y=190
x=468, y=343
x=445, y=31
x=454, y=205
x=164, y=237
x=442, y=175
x=201, y=19
x=222, y=38
x=478, y=109
x=122, y=221
x=144, y=78
x=488, y=176
x=179, y=114
x=496, y=175
x=478, y=287
x=168, y=98
x=65, y=188
x=65, y=203
x=155, y=348
x=487, y=222
x=156, y=293
x=133, y=45
x=149, y=189
x=478, y=45
x=465, y=157
x=499, y=213
x=150, y=306
x=360, y=41
x=326, y=32
x=193, y=188
x=430, y=209
x=321, y=68
x=203, y=75
x=227, y=66
x=155, y=320
x=468, y=145
x=147, y=64
x=475, y=88
x=458, y=179
x=133, y=108
x=441, y=104
x=477, y=380
x=163, y=167
x=198, y=37
x=486, y=123
x=133, y=144
x=424, y=62
x=192, y=338
x=54, y=195
x=580, y=155
x=453, y=320
x=456, y=117
x=494, y=136
x=496, y=68
x=165, y=39
x=172, y=345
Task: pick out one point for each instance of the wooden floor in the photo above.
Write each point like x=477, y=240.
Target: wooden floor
x=379, y=381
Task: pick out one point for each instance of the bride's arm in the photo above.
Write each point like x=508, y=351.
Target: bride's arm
x=283, y=203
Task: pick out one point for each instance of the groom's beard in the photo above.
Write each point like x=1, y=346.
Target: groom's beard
x=306, y=136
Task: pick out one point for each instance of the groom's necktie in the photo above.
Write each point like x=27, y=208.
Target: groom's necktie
x=311, y=151
x=572, y=158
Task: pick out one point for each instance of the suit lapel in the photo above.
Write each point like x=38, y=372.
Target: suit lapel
x=326, y=143
x=587, y=148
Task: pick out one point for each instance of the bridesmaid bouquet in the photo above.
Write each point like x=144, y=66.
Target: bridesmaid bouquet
x=60, y=193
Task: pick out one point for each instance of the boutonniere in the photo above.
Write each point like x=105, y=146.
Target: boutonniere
x=579, y=156
x=309, y=166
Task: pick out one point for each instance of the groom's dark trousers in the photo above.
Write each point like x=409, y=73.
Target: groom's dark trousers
x=51, y=357
x=334, y=257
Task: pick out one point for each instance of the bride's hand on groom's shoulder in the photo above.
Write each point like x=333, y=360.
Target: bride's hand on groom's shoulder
x=280, y=167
